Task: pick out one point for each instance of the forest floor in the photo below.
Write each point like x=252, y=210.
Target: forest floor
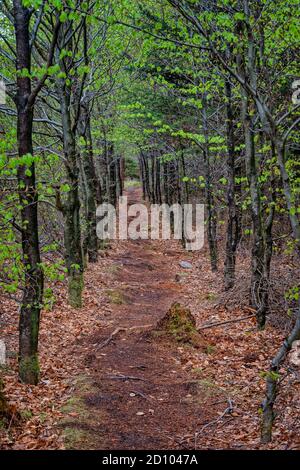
x=108, y=382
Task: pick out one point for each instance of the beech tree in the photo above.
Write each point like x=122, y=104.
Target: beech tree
x=194, y=98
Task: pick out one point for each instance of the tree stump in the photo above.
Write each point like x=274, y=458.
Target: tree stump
x=180, y=324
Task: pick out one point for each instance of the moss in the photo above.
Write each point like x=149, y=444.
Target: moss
x=116, y=297
x=74, y=436
x=77, y=433
x=29, y=369
x=210, y=349
x=113, y=269
x=26, y=414
x=132, y=184
x=181, y=325
x=197, y=370
x=75, y=287
x=43, y=417
x=210, y=296
x=103, y=244
x=75, y=405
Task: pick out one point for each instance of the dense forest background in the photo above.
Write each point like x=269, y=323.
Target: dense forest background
x=193, y=101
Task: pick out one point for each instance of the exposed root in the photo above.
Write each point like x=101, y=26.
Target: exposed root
x=116, y=332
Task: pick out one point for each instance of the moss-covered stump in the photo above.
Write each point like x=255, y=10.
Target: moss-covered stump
x=180, y=324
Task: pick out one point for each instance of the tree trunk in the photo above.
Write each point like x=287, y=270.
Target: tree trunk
x=259, y=283
x=294, y=221
x=234, y=218
x=33, y=288
x=90, y=182
x=157, y=182
x=272, y=379
x=112, y=176
x=71, y=206
x=147, y=177
x=166, y=184
x=211, y=215
x=153, y=192
x=142, y=176
x=120, y=176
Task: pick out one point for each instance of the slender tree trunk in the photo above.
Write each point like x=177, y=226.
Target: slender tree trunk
x=71, y=206
x=183, y=174
x=90, y=182
x=157, y=182
x=121, y=176
x=104, y=167
x=259, y=284
x=234, y=219
x=280, y=148
x=33, y=288
x=166, y=183
x=211, y=215
x=142, y=176
x=112, y=174
x=147, y=177
x=71, y=210
x=153, y=192
x=272, y=380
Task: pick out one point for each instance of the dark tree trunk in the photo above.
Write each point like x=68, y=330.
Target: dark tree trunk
x=71, y=209
x=272, y=381
x=259, y=286
x=183, y=174
x=157, y=182
x=166, y=183
x=112, y=176
x=120, y=176
x=234, y=217
x=147, y=177
x=153, y=192
x=211, y=213
x=71, y=206
x=142, y=176
x=90, y=182
x=33, y=289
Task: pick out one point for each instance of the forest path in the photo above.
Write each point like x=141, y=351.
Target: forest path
x=137, y=394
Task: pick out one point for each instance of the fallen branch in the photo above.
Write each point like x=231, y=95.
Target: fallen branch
x=227, y=411
x=125, y=377
x=140, y=394
x=116, y=331
x=204, y=327
x=108, y=340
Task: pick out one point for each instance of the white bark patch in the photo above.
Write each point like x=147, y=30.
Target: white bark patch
x=295, y=354
x=2, y=353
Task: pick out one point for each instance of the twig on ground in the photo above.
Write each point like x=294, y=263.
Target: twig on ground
x=108, y=340
x=204, y=327
x=125, y=377
x=228, y=410
x=140, y=394
x=116, y=331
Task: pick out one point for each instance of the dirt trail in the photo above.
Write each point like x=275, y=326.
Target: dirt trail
x=140, y=391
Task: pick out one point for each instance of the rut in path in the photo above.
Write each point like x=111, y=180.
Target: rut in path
x=140, y=391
